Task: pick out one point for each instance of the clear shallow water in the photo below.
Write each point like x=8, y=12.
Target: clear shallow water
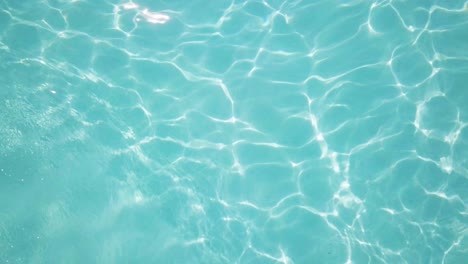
x=233, y=131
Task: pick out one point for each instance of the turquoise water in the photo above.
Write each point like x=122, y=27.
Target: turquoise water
x=233, y=131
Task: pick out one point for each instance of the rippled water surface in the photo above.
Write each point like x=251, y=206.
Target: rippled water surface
x=233, y=131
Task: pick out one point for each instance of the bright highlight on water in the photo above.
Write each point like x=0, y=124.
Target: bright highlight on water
x=233, y=131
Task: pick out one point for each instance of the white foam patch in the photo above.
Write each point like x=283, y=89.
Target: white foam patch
x=148, y=16
x=138, y=197
x=446, y=164
x=198, y=208
x=130, y=5
x=154, y=17
x=349, y=201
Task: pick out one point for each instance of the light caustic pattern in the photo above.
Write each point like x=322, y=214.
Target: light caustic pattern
x=233, y=131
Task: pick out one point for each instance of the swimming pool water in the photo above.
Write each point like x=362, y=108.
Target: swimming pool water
x=233, y=131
